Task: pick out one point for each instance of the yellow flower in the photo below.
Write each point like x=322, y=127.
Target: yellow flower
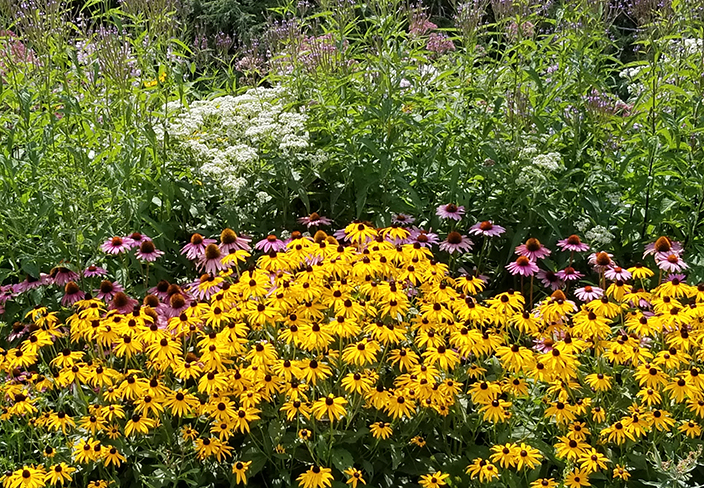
x=433, y=480
x=381, y=430
x=240, y=469
x=331, y=405
x=315, y=477
x=355, y=476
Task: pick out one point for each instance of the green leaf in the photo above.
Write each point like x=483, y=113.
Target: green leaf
x=342, y=459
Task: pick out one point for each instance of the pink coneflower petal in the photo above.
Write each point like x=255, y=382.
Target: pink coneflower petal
x=93, y=271
x=148, y=252
x=122, y=303
x=522, y=266
x=486, y=228
x=72, y=294
x=196, y=247
x=569, y=274
x=450, y=211
x=456, y=242
x=116, y=245
x=403, y=219
x=423, y=237
x=270, y=243
x=533, y=250
x=211, y=261
x=107, y=290
x=663, y=245
x=672, y=263
x=230, y=241
x=314, y=220
x=589, y=293
x=550, y=279
x=617, y=273
x=573, y=243
x=137, y=239
x=601, y=261
x=62, y=275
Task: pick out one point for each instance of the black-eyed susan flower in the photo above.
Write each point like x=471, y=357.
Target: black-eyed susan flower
x=577, y=479
x=58, y=474
x=433, y=480
x=332, y=406
x=239, y=469
x=482, y=469
x=354, y=477
x=315, y=477
x=381, y=430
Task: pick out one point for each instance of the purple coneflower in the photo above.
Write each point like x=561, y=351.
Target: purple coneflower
x=533, y=250
x=314, y=220
x=116, y=245
x=550, y=279
x=107, y=290
x=616, y=273
x=601, y=261
x=681, y=278
x=270, y=243
x=572, y=243
x=18, y=330
x=31, y=283
x=93, y=271
x=161, y=290
x=62, y=275
x=147, y=252
x=137, y=239
x=230, y=241
x=450, y=211
x=589, y=293
x=72, y=293
x=123, y=303
x=211, y=261
x=522, y=266
x=205, y=287
x=6, y=293
x=403, y=219
x=663, y=245
x=456, y=242
x=672, y=263
x=487, y=229
x=569, y=274
x=423, y=237
x=340, y=235
x=196, y=247
x=543, y=345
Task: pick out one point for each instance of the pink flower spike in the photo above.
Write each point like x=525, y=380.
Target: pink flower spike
x=450, y=211
x=116, y=245
x=487, y=229
x=522, y=266
x=533, y=250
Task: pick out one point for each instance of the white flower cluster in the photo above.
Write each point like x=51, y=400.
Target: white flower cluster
x=231, y=134
x=550, y=161
x=599, y=236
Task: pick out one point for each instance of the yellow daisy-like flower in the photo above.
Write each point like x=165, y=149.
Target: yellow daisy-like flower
x=315, y=477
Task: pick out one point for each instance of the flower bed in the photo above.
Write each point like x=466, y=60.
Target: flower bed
x=355, y=359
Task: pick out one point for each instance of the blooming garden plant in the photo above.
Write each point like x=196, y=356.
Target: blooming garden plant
x=360, y=358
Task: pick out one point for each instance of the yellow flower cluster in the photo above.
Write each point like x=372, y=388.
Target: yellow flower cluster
x=328, y=333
